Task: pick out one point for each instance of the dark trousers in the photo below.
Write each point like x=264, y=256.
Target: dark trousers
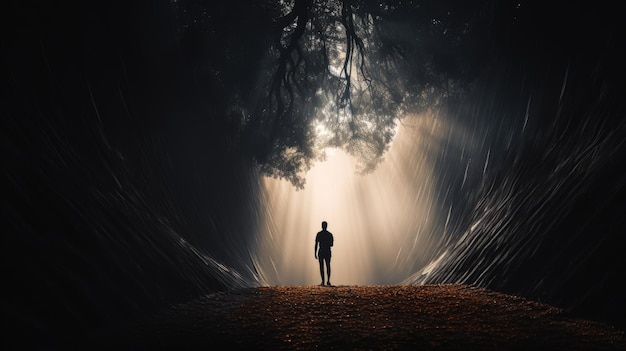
x=324, y=260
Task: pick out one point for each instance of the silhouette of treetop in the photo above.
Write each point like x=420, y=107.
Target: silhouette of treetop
x=304, y=75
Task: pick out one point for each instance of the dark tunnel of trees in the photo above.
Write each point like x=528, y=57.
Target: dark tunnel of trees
x=124, y=121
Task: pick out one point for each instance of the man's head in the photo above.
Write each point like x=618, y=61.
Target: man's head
x=324, y=225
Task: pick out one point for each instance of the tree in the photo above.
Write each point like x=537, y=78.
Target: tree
x=320, y=74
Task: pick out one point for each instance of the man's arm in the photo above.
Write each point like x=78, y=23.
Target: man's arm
x=316, y=243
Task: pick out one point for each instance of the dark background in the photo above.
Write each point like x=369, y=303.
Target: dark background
x=124, y=170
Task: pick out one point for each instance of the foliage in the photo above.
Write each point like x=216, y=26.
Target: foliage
x=314, y=74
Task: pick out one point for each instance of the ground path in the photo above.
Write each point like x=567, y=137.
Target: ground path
x=427, y=317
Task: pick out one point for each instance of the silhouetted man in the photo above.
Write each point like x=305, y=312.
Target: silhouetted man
x=324, y=239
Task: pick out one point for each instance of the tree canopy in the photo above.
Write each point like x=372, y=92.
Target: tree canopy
x=304, y=75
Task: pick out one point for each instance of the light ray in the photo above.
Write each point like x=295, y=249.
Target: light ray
x=382, y=221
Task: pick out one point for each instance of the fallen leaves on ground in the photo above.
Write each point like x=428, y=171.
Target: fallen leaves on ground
x=416, y=317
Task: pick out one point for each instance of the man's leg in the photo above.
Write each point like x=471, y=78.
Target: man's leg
x=321, y=260
x=328, y=270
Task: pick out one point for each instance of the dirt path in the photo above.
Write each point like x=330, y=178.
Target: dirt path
x=429, y=317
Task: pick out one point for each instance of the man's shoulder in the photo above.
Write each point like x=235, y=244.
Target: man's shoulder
x=324, y=233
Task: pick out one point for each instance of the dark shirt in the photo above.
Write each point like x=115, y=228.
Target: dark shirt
x=325, y=240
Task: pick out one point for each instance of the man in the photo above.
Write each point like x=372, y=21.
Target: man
x=324, y=239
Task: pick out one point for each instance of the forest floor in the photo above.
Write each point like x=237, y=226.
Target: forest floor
x=426, y=317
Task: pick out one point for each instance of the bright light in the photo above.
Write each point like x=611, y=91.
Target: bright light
x=381, y=221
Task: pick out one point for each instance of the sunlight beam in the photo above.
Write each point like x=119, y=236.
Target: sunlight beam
x=381, y=221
